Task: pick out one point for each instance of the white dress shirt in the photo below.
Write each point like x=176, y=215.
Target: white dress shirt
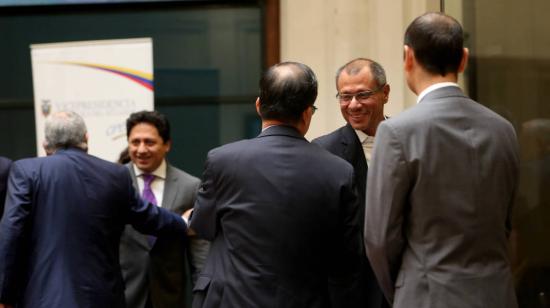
x=368, y=143
x=158, y=182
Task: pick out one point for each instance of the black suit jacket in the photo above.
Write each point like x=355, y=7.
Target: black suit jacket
x=5, y=165
x=282, y=214
x=344, y=143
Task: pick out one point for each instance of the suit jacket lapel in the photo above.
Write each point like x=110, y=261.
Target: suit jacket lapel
x=354, y=154
x=133, y=176
x=169, y=188
x=142, y=239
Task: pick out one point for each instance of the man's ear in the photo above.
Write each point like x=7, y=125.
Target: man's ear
x=464, y=60
x=408, y=58
x=46, y=147
x=305, y=121
x=258, y=106
x=386, y=92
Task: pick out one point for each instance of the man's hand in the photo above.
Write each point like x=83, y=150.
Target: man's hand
x=186, y=215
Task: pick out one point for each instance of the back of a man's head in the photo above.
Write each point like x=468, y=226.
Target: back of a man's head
x=437, y=41
x=63, y=130
x=286, y=90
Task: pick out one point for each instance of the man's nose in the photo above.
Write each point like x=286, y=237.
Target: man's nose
x=141, y=147
x=354, y=103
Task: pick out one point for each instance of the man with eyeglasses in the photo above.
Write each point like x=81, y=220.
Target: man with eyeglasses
x=362, y=93
x=282, y=215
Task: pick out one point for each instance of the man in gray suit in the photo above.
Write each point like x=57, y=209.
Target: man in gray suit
x=157, y=272
x=441, y=186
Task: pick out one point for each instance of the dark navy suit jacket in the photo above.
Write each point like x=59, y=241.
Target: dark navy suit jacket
x=60, y=234
x=282, y=214
x=344, y=143
x=4, y=171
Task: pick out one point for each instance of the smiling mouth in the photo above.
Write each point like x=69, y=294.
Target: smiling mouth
x=359, y=115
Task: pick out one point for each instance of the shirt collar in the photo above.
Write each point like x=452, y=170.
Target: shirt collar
x=363, y=138
x=434, y=87
x=160, y=172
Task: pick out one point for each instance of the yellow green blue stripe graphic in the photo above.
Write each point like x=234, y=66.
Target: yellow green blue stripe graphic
x=140, y=77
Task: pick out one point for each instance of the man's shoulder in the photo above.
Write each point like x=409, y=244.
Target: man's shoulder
x=180, y=174
x=232, y=148
x=333, y=137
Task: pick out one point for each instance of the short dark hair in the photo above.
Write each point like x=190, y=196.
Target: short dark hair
x=154, y=118
x=355, y=66
x=437, y=41
x=286, y=90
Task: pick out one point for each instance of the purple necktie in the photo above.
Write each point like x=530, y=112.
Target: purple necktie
x=148, y=195
x=147, y=191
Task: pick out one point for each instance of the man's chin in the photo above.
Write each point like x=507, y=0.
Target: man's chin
x=143, y=167
x=358, y=126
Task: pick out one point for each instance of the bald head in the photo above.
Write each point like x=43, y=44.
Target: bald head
x=355, y=66
x=286, y=90
x=437, y=41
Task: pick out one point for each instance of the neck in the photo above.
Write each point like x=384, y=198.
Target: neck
x=299, y=126
x=424, y=80
x=268, y=123
x=373, y=125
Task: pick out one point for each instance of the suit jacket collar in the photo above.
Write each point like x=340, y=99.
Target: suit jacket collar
x=350, y=142
x=281, y=130
x=443, y=93
x=72, y=150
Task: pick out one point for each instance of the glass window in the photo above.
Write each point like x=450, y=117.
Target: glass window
x=207, y=60
x=509, y=71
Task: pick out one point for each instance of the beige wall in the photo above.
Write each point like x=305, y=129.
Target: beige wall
x=325, y=34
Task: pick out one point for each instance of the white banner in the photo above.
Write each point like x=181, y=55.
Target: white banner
x=103, y=81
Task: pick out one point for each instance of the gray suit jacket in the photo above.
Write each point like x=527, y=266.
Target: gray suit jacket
x=439, y=198
x=162, y=271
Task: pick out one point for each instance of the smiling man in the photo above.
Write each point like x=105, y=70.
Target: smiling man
x=362, y=93
x=156, y=271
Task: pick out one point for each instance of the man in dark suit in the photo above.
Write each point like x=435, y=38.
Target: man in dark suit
x=442, y=184
x=282, y=213
x=64, y=215
x=362, y=93
x=157, y=273
x=5, y=165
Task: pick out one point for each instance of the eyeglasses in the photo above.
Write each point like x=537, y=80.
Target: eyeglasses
x=361, y=97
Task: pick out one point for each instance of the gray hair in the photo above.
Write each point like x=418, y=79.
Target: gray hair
x=354, y=66
x=65, y=129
